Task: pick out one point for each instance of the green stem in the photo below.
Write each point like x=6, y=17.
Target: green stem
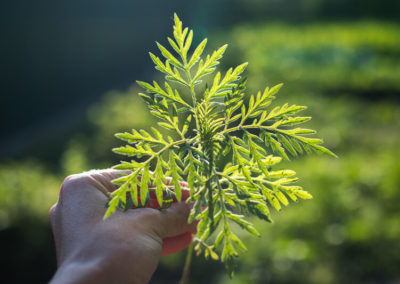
x=193, y=93
x=191, y=87
x=189, y=77
x=186, y=268
x=221, y=198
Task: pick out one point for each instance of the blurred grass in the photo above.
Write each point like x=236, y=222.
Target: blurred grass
x=349, y=76
x=26, y=189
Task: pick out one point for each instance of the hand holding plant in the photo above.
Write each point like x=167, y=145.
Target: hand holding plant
x=123, y=249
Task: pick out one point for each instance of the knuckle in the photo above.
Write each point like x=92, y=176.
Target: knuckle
x=180, y=215
x=183, y=210
x=72, y=183
x=52, y=211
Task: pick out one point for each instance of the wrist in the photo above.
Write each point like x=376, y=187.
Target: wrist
x=97, y=269
x=81, y=271
x=90, y=271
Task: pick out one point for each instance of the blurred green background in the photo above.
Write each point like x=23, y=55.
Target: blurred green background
x=67, y=76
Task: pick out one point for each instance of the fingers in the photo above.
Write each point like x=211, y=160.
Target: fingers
x=82, y=185
x=84, y=195
x=102, y=179
x=173, y=221
x=154, y=202
x=185, y=192
x=175, y=244
x=184, y=189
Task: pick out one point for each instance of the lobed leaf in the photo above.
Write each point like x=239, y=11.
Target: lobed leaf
x=209, y=127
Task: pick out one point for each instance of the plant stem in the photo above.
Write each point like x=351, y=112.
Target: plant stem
x=186, y=268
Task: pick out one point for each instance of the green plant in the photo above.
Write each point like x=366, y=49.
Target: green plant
x=224, y=148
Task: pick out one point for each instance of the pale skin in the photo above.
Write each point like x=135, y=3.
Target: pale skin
x=126, y=247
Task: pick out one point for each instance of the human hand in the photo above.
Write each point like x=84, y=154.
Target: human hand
x=126, y=247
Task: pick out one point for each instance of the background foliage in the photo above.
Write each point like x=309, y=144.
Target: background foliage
x=342, y=63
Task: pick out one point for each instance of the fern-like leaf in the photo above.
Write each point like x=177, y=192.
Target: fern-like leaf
x=256, y=136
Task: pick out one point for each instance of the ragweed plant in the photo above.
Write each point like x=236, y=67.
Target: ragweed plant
x=225, y=150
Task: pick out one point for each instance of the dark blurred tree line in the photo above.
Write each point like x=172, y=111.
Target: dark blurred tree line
x=59, y=56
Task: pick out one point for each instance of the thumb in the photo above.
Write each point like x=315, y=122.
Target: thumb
x=173, y=221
